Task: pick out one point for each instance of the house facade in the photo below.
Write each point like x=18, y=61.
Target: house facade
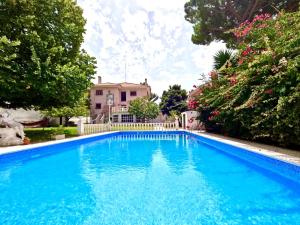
x=120, y=95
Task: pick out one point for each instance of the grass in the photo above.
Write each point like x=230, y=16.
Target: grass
x=37, y=135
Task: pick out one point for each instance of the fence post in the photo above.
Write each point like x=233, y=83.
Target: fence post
x=80, y=126
x=110, y=126
x=176, y=123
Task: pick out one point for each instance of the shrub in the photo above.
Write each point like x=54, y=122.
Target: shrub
x=259, y=98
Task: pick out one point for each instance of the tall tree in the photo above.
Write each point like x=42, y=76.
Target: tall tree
x=143, y=108
x=41, y=62
x=174, y=99
x=212, y=18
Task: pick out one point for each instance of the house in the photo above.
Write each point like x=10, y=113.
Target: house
x=120, y=94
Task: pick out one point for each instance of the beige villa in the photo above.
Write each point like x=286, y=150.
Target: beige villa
x=120, y=94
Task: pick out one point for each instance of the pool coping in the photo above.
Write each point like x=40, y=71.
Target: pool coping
x=21, y=148
x=246, y=147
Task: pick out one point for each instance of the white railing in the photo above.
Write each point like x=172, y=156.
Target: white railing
x=98, y=128
x=94, y=128
x=117, y=109
x=143, y=126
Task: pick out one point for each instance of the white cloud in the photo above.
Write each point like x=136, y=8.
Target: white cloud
x=152, y=36
x=203, y=58
x=180, y=64
x=134, y=25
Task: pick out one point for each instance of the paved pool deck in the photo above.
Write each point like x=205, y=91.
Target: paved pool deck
x=289, y=155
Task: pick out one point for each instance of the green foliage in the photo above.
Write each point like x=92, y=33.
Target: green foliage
x=143, y=108
x=174, y=99
x=37, y=135
x=222, y=57
x=173, y=115
x=213, y=18
x=79, y=109
x=58, y=130
x=259, y=98
x=41, y=64
x=153, y=97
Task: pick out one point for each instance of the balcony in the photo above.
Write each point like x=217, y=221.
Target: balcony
x=119, y=109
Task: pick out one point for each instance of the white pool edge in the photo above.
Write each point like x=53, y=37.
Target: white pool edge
x=247, y=147
x=19, y=148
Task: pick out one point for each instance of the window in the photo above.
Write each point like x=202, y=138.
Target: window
x=127, y=118
x=98, y=105
x=99, y=92
x=115, y=118
x=133, y=93
x=123, y=96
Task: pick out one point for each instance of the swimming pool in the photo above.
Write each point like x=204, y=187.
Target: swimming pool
x=146, y=178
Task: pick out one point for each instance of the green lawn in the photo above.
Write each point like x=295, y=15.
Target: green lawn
x=37, y=135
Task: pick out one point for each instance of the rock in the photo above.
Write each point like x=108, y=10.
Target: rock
x=8, y=137
x=12, y=133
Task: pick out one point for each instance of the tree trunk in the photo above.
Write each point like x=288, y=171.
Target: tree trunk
x=67, y=120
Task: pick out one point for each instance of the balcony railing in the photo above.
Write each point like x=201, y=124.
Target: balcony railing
x=118, y=109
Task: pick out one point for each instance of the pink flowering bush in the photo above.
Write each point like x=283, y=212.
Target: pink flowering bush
x=244, y=29
x=258, y=97
x=192, y=104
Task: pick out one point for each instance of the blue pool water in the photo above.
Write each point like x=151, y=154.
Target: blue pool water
x=142, y=179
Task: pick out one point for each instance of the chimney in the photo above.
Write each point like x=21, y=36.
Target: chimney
x=99, y=79
x=146, y=81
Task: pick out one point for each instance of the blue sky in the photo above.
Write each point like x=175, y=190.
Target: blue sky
x=152, y=36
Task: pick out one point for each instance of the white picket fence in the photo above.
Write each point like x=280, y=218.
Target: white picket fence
x=94, y=128
x=98, y=128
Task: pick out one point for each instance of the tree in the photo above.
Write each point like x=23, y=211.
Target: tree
x=213, y=18
x=79, y=109
x=153, y=97
x=41, y=64
x=221, y=57
x=174, y=99
x=143, y=109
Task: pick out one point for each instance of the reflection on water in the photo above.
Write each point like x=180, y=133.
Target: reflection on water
x=158, y=177
x=148, y=176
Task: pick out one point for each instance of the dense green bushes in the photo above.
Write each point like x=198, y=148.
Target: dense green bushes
x=256, y=94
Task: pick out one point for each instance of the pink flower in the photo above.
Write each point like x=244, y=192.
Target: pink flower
x=233, y=80
x=192, y=104
x=247, y=51
x=269, y=91
x=215, y=113
x=241, y=61
x=262, y=26
x=247, y=26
